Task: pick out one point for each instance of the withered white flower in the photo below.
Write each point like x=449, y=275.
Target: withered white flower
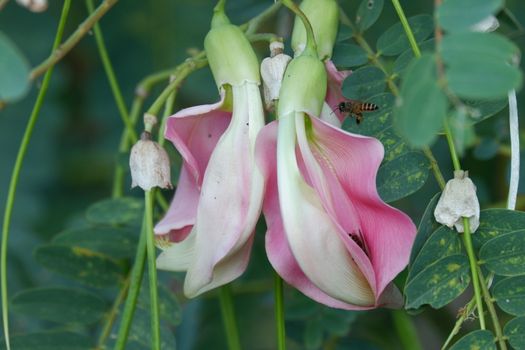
x=149, y=164
x=272, y=72
x=457, y=201
x=34, y=5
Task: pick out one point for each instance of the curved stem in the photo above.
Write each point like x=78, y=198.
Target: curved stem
x=134, y=289
x=113, y=83
x=465, y=313
x=112, y=315
x=492, y=311
x=252, y=25
x=152, y=272
x=16, y=172
x=60, y=51
x=279, y=312
x=228, y=318
x=311, y=46
x=515, y=151
x=406, y=27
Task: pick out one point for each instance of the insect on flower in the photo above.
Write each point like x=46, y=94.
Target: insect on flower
x=356, y=109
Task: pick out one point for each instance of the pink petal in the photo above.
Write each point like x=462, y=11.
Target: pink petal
x=334, y=96
x=349, y=163
x=277, y=247
x=231, y=198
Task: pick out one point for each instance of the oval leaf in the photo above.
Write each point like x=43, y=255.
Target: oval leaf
x=427, y=225
x=116, y=242
x=14, y=70
x=439, y=283
x=349, y=55
x=84, y=265
x=64, y=305
x=495, y=222
x=115, y=211
x=479, y=340
x=402, y=176
x=422, y=105
x=515, y=331
x=368, y=13
x=461, y=15
x=394, y=41
x=406, y=57
x=510, y=295
x=364, y=83
x=505, y=254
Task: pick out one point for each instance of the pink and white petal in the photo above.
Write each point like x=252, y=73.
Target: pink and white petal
x=277, y=247
x=354, y=160
x=329, y=115
x=194, y=132
x=177, y=256
x=312, y=235
x=334, y=95
x=231, y=194
x=182, y=210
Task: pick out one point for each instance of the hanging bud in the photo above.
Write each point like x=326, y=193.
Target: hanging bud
x=458, y=201
x=149, y=164
x=34, y=5
x=272, y=72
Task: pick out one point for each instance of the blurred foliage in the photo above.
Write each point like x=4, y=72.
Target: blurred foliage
x=66, y=180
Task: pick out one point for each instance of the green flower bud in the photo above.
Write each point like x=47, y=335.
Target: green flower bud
x=304, y=86
x=324, y=18
x=230, y=55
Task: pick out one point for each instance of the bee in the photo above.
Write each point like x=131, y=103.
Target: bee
x=356, y=108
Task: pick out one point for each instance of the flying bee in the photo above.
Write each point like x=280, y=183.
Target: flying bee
x=356, y=108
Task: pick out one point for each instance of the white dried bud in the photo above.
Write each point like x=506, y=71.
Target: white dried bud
x=149, y=164
x=488, y=24
x=272, y=72
x=34, y=5
x=458, y=201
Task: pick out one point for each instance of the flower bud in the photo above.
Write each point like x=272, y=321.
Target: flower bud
x=34, y=5
x=457, y=201
x=272, y=72
x=324, y=18
x=149, y=164
x=230, y=55
x=304, y=86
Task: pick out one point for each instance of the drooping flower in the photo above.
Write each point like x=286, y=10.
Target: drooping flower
x=329, y=234
x=208, y=229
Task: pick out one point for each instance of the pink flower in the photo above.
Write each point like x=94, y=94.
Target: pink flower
x=329, y=234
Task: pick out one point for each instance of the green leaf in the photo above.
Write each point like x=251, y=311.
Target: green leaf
x=344, y=33
x=472, y=45
x=505, y=254
x=427, y=225
x=84, y=265
x=514, y=330
x=63, y=305
x=439, y=283
x=116, y=211
x=462, y=130
x=364, y=83
x=14, y=70
x=349, y=55
x=479, y=340
x=402, y=176
x=169, y=308
x=495, y=222
x=486, y=149
x=480, y=78
x=394, y=41
x=374, y=122
x=510, y=295
x=313, y=335
x=406, y=57
x=461, y=15
x=140, y=332
x=422, y=105
x=368, y=13
x=50, y=341
x=480, y=110
x=116, y=242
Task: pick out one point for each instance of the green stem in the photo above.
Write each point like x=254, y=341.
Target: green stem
x=406, y=330
x=467, y=241
x=108, y=67
x=152, y=272
x=279, y=312
x=228, y=318
x=60, y=51
x=451, y=146
x=492, y=310
x=112, y=315
x=252, y=25
x=15, y=175
x=406, y=27
x=168, y=110
x=134, y=289
x=465, y=313
x=311, y=46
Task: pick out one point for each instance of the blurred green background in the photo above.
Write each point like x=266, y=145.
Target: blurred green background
x=72, y=154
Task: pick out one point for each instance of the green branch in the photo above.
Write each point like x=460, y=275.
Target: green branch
x=279, y=312
x=15, y=175
x=228, y=317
